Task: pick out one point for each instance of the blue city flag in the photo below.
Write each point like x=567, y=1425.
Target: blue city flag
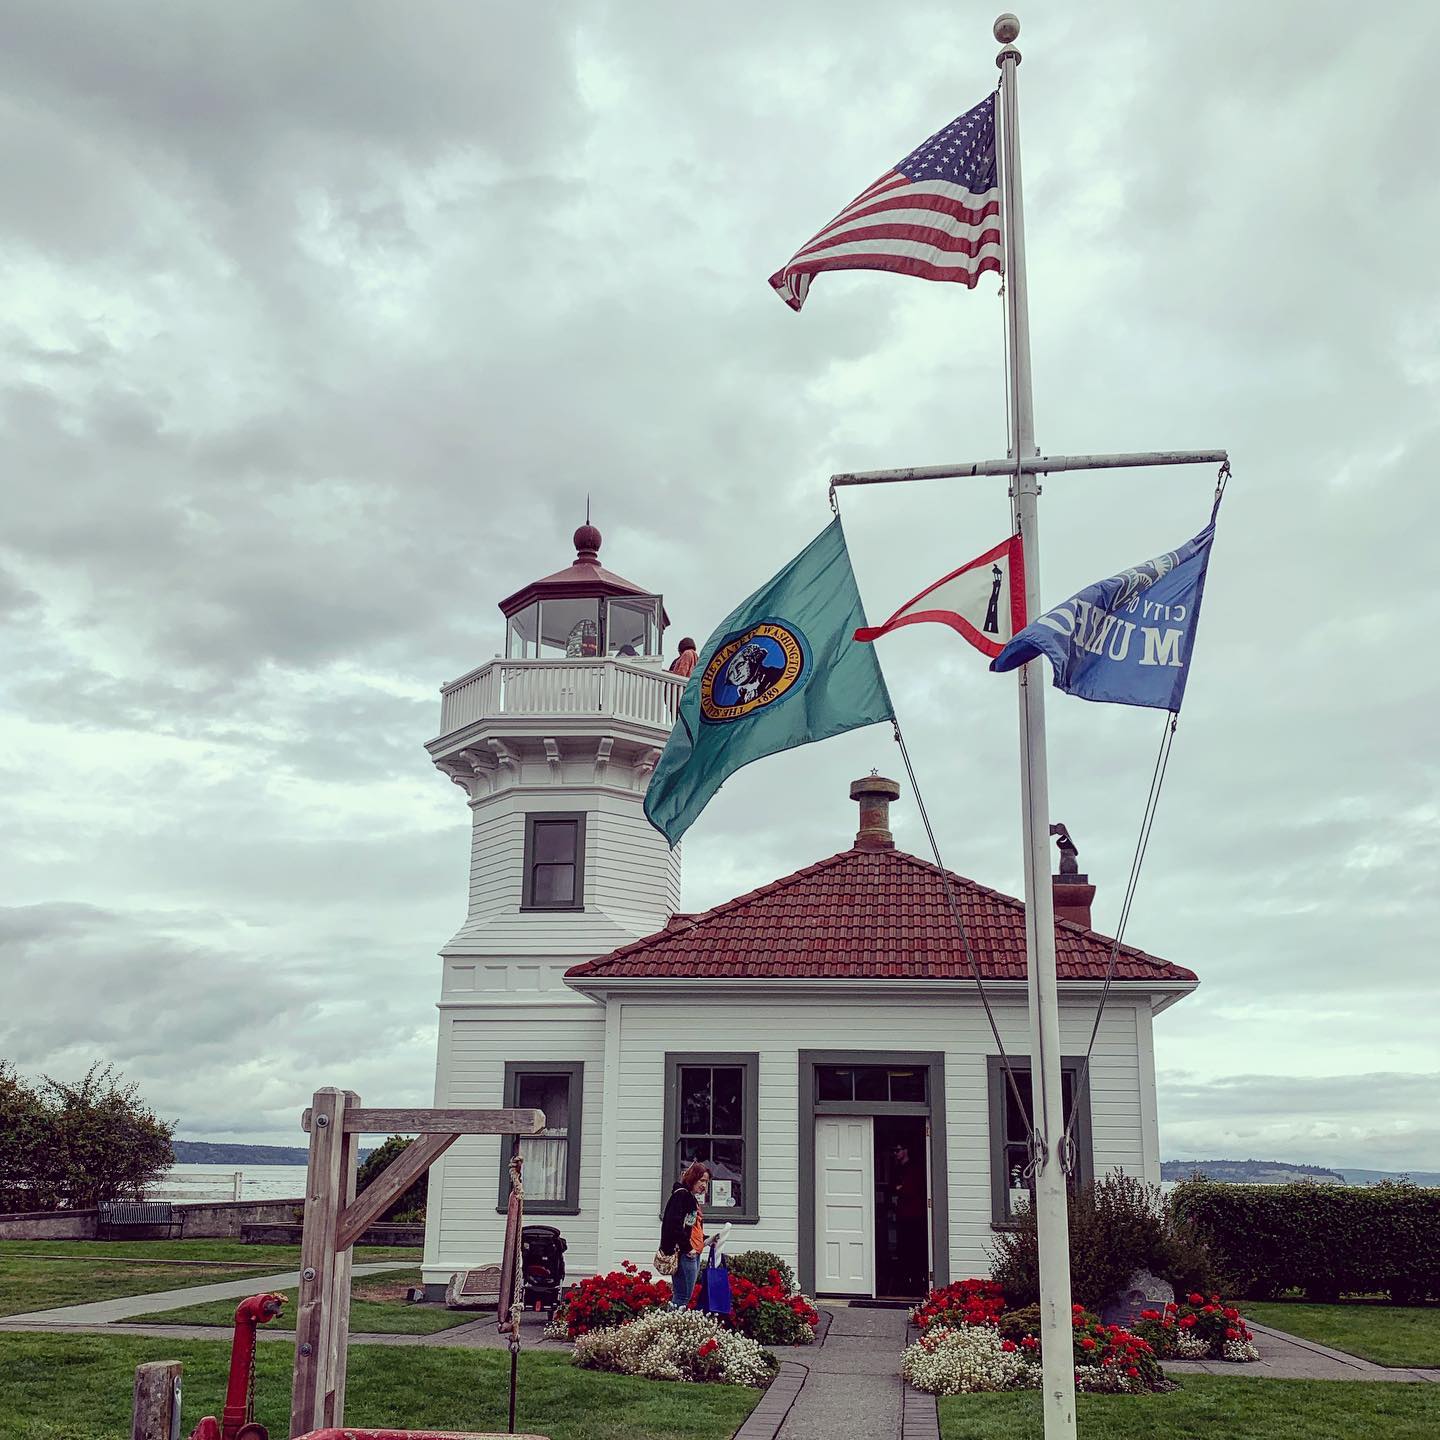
x=1127, y=639
x=782, y=669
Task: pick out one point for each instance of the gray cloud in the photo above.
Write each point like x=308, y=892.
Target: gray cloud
x=318, y=338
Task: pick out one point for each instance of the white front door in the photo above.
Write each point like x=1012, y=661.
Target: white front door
x=844, y=1205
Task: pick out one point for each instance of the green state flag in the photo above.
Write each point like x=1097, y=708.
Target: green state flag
x=782, y=669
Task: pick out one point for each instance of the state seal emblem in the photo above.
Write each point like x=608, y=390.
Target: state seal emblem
x=752, y=670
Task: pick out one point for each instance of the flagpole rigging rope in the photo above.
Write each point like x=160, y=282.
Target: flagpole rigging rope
x=964, y=939
x=1142, y=844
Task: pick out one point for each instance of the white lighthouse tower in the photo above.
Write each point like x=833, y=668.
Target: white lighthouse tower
x=553, y=744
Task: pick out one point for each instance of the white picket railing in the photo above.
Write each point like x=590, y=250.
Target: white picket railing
x=609, y=688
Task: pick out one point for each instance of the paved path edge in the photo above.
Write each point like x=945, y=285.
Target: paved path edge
x=765, y=1420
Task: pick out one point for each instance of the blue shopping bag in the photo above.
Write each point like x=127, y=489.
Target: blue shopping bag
x=715, y=1290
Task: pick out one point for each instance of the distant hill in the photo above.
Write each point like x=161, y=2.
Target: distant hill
x=205, y=1152
x=1249, y=1172
x=1371, y=1177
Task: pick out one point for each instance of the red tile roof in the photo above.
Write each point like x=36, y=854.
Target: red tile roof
x=864, y=915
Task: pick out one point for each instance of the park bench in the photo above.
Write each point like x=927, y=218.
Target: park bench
x=124, y=1215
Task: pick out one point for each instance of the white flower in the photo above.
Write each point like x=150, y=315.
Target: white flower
x=1190, y=1347
x=972, y=1357
x=665, y=1345
x=1239, y=1351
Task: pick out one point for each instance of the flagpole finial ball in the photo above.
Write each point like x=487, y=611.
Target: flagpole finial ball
x=1007, y=28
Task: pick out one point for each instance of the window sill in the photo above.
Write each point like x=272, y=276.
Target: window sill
x=553, y=909
x=542, y=1207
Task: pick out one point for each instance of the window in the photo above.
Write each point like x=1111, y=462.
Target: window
x=711, y=1115
x=552, y=1158
x=521, y=634
x=554, y=862
x=886, y=1084
x=632, y=625
x=1009, y=1152
x=569, y=629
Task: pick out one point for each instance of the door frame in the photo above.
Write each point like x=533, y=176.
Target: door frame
x=933, y=1109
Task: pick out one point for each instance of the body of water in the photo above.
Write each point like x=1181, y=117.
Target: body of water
x=218, y=1182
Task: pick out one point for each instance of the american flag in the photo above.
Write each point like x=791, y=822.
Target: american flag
x=935, y=215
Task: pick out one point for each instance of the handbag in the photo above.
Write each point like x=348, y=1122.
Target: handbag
x=665, y=1264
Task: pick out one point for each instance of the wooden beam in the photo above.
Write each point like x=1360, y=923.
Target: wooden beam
x=314, y=1314
x=358, y=1121
x=155, y=1413
x=334, y=1403
x=389, y=1185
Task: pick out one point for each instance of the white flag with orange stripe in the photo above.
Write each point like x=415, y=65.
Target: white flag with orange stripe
x=984, y=601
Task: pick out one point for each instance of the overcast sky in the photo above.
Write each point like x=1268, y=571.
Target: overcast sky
x=321, y=322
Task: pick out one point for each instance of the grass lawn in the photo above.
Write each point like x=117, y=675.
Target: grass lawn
x=1401, y=1335
x=1209, y=1406
x=377, y=1307
x=42, y=1274
x=77, y=1387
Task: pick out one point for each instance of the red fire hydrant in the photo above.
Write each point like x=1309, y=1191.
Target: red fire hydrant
x=238, y=1421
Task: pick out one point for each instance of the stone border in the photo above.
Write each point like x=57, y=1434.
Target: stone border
x=919, y=1414
x=765, y=1420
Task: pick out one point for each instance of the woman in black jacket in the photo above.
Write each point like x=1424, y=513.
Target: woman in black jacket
x=682, y=1230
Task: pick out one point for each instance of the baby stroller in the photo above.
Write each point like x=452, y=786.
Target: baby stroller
x=711, y=1295
x=542, y=1261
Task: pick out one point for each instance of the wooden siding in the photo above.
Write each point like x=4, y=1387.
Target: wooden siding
x=632, y=878
x=778, y=1030
x=462, y=1227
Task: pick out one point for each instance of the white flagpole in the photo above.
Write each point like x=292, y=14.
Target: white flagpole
x=1047, y=1100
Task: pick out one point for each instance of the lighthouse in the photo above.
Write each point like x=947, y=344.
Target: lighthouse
x=552, y=743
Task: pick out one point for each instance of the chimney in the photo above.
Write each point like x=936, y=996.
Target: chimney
x=874, y=793
x=1073, y=891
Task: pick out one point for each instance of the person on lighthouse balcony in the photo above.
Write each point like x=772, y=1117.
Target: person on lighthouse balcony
x=750, y=675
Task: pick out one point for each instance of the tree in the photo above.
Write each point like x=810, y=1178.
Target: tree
x=72, y=1146
x=410, y=1205
x=24, y=1129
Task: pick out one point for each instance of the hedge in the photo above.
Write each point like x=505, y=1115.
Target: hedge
x=1324, y=1239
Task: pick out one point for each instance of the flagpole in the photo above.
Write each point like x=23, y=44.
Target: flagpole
x=1047, y=1101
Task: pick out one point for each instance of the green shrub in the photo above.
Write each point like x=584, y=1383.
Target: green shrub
x=756, y=1265
x=1017, y=1324
x=1327, y=1240
x=406, y=1206
x=1117, y=1225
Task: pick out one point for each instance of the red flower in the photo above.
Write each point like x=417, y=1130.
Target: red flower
x=1029, y=1342
x=1087, y=1343
x=708, y=1347
x=1232, y=1333
x=1195, y=1299
x=1149, y=1314
x=1187, y=1322
x=1008, y=1346
x=1131, y=1370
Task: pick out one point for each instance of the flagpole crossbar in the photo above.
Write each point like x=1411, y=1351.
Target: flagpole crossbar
x=1039, y=465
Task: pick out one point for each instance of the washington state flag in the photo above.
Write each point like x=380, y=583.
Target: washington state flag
x=782, y=669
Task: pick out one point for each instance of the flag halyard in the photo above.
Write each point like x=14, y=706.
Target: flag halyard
x=983, y=601
x=936, y=215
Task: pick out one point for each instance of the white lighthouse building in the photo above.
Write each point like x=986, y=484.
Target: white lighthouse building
x=553, y=744
x=818, y=1042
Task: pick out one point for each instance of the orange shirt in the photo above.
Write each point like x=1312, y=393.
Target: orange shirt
x=697, y=1231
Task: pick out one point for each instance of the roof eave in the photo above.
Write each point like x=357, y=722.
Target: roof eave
x=602, y=984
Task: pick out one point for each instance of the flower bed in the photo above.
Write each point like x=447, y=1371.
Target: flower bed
x=965, y=1302
x=1199, y=1328
x=601, y=1302
x=970, y=1341
x=677, y=1345
x=770, y=1313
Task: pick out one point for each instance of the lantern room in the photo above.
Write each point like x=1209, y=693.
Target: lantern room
x=583, y=612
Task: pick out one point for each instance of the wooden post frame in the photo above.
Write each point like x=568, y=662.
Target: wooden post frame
x=335, y=1219
x=155, y=1412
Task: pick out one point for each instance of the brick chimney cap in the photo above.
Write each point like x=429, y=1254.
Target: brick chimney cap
x=874, y=785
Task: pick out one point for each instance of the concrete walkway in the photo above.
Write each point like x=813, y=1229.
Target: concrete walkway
x=852, y=1383
x=106, y=1312
x=1291, y=1357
